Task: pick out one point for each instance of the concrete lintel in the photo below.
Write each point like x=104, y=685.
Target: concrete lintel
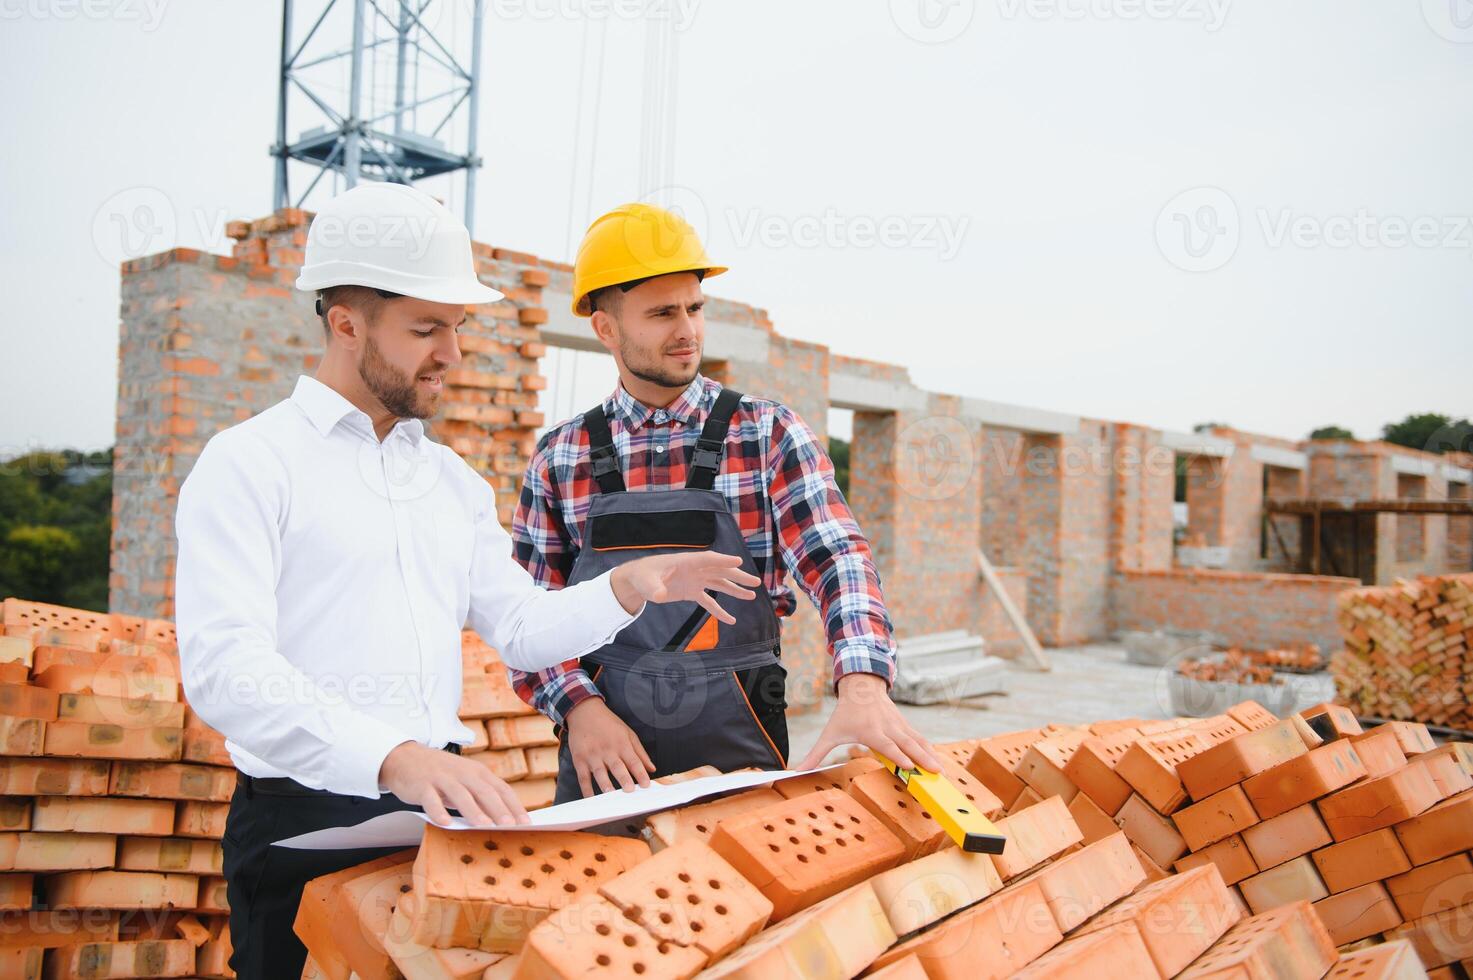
x=1413, y=465
x=1197, y=444
x=861, y=394
x=1002, y=415
x=725, y=341
x=1456, y=474
x=1289, y=459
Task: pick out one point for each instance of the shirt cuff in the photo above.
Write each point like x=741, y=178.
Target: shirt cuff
x=572, y=689
x=358, y=756
x=609, y=609
x=861, y=658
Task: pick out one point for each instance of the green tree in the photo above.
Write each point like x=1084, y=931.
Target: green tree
x=839, y=453
x=56, y=527
x=1209, y=426
x=43, y=558
x=1431, y=431
x=1332, y=432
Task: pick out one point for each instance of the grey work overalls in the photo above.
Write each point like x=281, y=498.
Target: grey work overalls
x=696, y=691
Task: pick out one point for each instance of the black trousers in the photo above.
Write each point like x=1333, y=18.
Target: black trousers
x=264, y=884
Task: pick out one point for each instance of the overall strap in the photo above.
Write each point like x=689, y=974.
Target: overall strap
x=601, y=453
x=706, y=460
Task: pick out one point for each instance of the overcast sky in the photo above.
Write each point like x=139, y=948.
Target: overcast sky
x=1158, y=211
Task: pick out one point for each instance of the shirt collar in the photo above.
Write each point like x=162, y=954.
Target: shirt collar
x=325, y=407
x=635, y=413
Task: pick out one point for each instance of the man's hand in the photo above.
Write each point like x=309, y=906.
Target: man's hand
x=683, y=578
x=604, y=749
x=436, y=779
x=866, y=715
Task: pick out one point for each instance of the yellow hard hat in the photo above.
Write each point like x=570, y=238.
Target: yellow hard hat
x=634, y=242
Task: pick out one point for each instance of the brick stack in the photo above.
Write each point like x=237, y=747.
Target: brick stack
x=114, y=797
x=1285, y=840
x=1407, y=651
x=113, y=794
x=513, y=740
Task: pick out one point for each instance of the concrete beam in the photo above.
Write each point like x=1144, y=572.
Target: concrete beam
x=1197, y=444
x=861, y=394
x=1001, y=415
x=1414, y=465
x=1289, y=459
x=725, y=341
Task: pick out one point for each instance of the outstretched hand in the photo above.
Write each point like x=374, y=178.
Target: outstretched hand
x=866, y=715
x=684, y=577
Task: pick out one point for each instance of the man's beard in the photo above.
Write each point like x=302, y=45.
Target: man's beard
x=647, y=367
x=395, y=390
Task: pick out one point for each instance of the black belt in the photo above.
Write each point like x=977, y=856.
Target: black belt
x=286, y=786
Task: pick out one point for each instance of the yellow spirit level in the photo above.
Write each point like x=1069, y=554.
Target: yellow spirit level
x=956, y=814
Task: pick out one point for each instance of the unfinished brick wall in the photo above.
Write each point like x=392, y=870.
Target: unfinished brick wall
x=208, y=341
x=1252, y=609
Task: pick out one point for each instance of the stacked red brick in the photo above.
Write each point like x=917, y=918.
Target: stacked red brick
x=839, y=873
x=1374, y=828
x=513, y=740
x=113, y=793
x=1408, y=651
x=113, y=797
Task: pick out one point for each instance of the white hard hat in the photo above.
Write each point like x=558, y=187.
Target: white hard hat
x=395, y=238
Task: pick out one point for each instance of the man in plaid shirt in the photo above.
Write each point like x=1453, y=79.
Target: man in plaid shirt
x=774, y=475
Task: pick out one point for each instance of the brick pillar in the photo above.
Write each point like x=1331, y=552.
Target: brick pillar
x=916, y=482
x=207, y=341
x=1067, y=519
x=1144, y=476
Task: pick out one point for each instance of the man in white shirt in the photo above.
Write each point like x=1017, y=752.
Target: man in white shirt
x=330, y=554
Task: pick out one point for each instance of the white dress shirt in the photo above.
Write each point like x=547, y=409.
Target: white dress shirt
x=322, y=583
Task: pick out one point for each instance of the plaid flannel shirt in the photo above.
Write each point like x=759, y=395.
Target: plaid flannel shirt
x=779, y=483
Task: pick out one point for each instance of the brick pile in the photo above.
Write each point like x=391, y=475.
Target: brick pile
x=1235, y=846
x=1408, y=651
x=114, y=794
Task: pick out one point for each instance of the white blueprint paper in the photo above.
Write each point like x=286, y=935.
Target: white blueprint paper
x=405, y=828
